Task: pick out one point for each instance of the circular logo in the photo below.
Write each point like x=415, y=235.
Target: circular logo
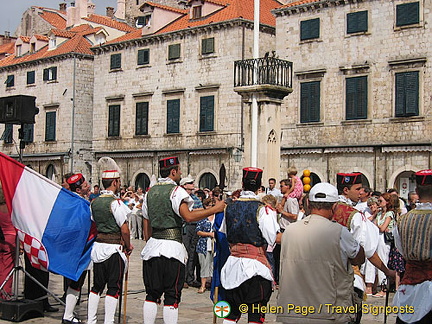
x=222, y=309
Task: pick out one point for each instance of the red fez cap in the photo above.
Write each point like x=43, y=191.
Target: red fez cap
x=168, y=162
x=424, y=177
x=75, y=181
x=252, y=174
x=349, y=178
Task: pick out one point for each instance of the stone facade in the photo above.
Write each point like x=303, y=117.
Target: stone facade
x=381, y=146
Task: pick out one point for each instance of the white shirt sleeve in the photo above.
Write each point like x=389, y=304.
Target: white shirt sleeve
x=120, y=212
x=365, y=233
x=349, y=246
x=267, y=222
x=179, y=195
x=144, y=208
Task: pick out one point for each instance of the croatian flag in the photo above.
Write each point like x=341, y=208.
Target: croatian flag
x=53, y=223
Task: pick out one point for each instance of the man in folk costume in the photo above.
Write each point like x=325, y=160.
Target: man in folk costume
x=250, y=227
x=315, y=263
x=349, y=185
x=413, y=239
x=165, y=207
x=78, y=184
x=111, y=246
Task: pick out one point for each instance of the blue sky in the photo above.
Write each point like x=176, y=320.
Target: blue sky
x=11, y=10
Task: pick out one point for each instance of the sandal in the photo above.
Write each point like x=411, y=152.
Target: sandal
x=201, y=290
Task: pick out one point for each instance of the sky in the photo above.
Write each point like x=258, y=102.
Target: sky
x=11, y=10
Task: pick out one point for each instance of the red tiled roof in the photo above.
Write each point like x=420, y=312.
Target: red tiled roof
x=53, y=17
x=8, y=48
x=109, y=22
x=41, y=37
x=63, y=33
x=222, y=3
x=234, y=9
x=157, y=5
x=297, y=3
x=25, y=39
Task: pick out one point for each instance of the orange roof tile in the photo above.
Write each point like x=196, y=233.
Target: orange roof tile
x=8, y=48
x=222, y=3
x=41, y=37
x=157, y=5
x=63, y=33
x=297, y=3
x=25, y=39
x=109, y=22
x=53, y=17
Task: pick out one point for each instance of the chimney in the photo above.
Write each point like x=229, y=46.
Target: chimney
x=110, y=12
x=62, y=6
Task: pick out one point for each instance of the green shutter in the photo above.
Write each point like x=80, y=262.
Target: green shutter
x=407, y=94
x=357, y=22
x=207, y=46
x=174, y=52
x=28, y=133
x=141, y=122
x=115, y=61
x=407, y=14
x=10, y=80
x=356, y=98
x=8, y=134
x=207, y=114
x=310, y=102
x=173, y=116
x=54, y=73
x=310, y=29
x=31, y=77
x=143, y=56
x=45, y=74
x=114, y=120
x=50, y=126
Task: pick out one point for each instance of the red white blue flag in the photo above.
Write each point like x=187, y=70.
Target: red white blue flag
x=53, y=223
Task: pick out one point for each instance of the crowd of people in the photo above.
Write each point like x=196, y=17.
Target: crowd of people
x=337, y=244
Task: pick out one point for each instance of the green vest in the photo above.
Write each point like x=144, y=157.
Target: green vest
x=159, y=208
x=102, y=215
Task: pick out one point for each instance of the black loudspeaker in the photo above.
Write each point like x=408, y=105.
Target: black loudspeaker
x=20, y=310
x=18, y=110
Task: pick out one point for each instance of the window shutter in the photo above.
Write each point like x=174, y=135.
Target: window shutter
x=357, y=22
x=174, y=51
x=143, y=56
x=10, y=81
x=310, y=102
x=31, y=77
x=412, y=93
x=208, y=46
x=207, y=114
x=28, y=133
x=114, y=120
x=141, y=127
x=173, y=116
x=356, y=98
x=115, y=61
x=54, y=73
x=8, y=134
x=407, y=14
x=50, y=127
x=310, y=29
x=45, y=74
x=400, y=95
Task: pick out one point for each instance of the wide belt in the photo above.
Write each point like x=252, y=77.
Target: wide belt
x=173, y=234
x=110, y=238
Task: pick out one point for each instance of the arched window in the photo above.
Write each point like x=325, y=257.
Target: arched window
x=50, y=172
x=207, y=180
x=142, y=181
x=405, y=182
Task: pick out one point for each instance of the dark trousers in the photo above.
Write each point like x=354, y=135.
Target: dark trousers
x=108, y=273
x=190, y=240
x=31, y=289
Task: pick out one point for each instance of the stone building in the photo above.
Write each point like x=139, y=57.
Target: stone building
x=362, y=89
x=168, y=89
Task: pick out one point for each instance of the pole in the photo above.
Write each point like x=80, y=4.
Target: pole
x=73, y=118
x=215, y=300
x=254, y=106
x=125, y=291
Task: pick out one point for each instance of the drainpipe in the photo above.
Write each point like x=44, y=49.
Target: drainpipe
x=73, y=117
x=254, y=108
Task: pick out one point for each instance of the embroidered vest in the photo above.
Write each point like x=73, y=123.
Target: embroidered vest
x=160, y=212
x=242, y=224
x=344, y=213
x=103, y=216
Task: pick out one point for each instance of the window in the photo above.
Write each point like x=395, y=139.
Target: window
x=174, y=52
x=30, y=77
x=143, y=21
x=50, y=126
x=50, y=74
x=357, y=22
x=310, y=29
x=407, y=94
x=310, y=102
x=407, y=14
x=28, y=133
x=143, y=56
x=207, y=46
x=7, y=134
x=356, y=98
x=207, y=180
x=32, y=47
x=115, y=61
x=141, y=123
x=114, y=120
x=196, y=12
x=10, y=81
x=173, y=116
x=19, y=50
x=206, y=113
x=52, y=43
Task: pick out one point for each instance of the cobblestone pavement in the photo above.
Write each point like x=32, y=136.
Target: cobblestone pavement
x=194, y=308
